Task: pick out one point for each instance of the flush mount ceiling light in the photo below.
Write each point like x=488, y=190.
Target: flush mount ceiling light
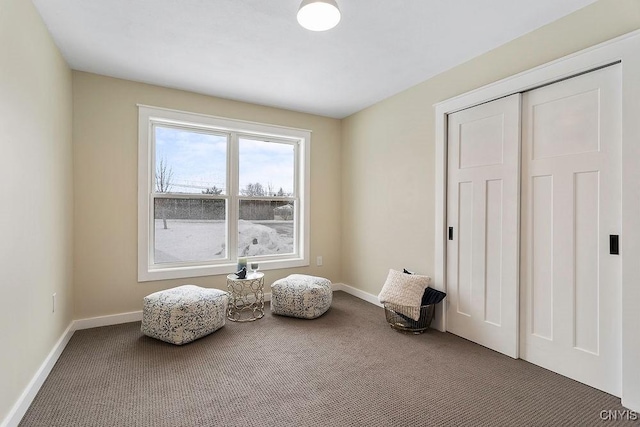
x=318, y=15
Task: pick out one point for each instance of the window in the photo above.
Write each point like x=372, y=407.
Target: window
x=212, y=190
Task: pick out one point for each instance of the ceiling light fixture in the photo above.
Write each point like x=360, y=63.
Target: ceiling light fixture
x=318, y=15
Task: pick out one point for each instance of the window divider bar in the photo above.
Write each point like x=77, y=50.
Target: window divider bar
x=233, y=178
x=189, y=196
x=268, y=199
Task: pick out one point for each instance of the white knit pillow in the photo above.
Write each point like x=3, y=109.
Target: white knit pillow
x=405, y=290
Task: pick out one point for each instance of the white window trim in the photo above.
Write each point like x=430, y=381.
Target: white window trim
x=148, y=115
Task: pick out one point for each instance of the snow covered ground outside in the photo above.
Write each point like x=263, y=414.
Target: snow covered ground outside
x=186, y=240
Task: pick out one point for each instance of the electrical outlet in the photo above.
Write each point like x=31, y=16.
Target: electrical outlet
x=53, y=303
x=319, y=261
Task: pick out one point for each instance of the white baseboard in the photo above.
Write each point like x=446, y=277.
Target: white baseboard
x=113, y=319
x=366, y=296
x=24, y=401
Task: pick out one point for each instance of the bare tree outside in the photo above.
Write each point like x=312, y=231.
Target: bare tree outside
x=212, y=190
x=254, y=190
x=164, y=175
x=260, y=190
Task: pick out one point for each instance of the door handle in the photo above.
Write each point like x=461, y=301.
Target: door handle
x=614, y=246
x=450, y=233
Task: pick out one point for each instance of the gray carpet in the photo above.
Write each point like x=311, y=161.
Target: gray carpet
x=347, y=368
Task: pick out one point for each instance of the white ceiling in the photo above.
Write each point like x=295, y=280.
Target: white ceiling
x=255, y=51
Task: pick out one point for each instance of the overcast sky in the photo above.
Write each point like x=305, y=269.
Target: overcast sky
x=198, y=161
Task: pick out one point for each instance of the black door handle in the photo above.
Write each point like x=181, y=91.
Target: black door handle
x=614, y=247
x=450, y=233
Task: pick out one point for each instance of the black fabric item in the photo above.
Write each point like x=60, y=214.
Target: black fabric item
x=405, y=271
x=432, y=296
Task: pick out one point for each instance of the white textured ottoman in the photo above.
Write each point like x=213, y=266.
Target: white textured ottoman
x=299, y=295
x=183, y=314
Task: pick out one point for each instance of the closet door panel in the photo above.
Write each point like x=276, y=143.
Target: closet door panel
x=483, y=206
x=571, y=204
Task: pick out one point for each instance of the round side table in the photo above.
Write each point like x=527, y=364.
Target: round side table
x=246, y=302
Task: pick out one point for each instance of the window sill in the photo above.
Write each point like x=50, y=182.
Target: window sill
x=152, y=274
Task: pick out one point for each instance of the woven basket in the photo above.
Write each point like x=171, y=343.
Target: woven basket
x=402, y=323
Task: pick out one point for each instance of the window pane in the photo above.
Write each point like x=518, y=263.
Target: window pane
x=188, y=230
x=190, y=162
x=265, y=228
x=266, y=168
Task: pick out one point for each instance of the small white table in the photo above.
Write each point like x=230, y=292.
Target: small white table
x=246, y=299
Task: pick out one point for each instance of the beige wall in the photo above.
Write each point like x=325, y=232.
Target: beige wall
x=105, y=135
x=388, y=149
x=372, y=177
x=36, y=218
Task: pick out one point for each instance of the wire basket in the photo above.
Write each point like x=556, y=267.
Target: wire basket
x=403, y=323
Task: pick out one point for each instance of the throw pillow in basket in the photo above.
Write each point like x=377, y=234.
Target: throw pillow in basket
x=405, y=290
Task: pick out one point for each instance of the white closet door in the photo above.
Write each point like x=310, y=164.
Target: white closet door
x=571, y=204
x=482, y=213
